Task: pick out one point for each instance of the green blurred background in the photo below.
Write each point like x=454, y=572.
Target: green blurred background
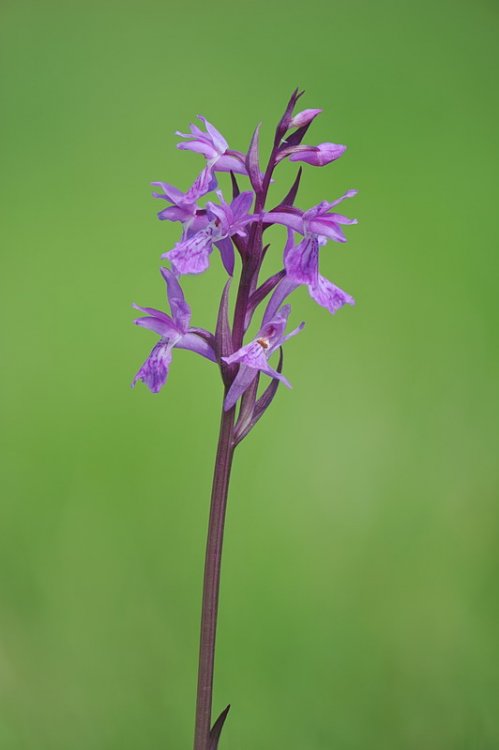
x=359, y=601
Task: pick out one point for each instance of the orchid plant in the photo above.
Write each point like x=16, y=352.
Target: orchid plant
x=239, y=227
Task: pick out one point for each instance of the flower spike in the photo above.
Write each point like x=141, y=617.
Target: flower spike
x=208, y=221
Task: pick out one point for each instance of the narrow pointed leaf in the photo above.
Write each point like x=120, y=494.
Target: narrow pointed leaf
x=262, y=404
x=296, y=138
x=248, y=402
x=265, y=250
x=223, y=335
x=267, y=397
x=285, y=120
x=260, y=294
x=235, y=186
x=290, y=197
x=216, y=730
x=258, y=268
x=252, y=163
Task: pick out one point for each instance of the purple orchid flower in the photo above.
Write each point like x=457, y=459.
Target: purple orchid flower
x=213, y=146
x=253, y=358
x=174, y=332
x=221, y=222
x=317, y=221
x=185, y=208
x=301, y=261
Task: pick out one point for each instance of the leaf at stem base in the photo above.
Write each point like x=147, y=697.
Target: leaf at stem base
x=216, y=730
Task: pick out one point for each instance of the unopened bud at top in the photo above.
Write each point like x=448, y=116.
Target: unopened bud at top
x=304, y=118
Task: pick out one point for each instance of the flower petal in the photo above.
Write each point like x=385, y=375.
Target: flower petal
x=302, y=261
x=195, y=343
x=200, y=147
x=180, y=309
x=348, y=194
x=268, y=370
x=283, y=290
x=292, y=219
x=251, y=354
x=154, y=371
x=159, y=326
x=241, y=383
x=227, y=252
x=298, y=329
x=241, y=205
x=230, y=163
x=217, y=138
x=191, y=256
x=204, y=183
x=337, y=219
x=170, y=193
x=176, y=213
x=155, y=313
x=326, y=294
x=327, y=229
x=273, y=331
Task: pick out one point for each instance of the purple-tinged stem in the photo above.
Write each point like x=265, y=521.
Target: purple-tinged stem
x=246, y=284
x=220, y=487
x=211, y=585
x=251, y=258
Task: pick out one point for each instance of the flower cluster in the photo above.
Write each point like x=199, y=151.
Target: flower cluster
x=238, y=228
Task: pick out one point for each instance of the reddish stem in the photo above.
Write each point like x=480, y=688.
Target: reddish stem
x=220, y=487
x=211, y=586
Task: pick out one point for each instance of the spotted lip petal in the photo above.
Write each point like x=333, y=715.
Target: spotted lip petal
x=154, y=371
x=329, y=296
x=191, y=256
x=302, y=261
